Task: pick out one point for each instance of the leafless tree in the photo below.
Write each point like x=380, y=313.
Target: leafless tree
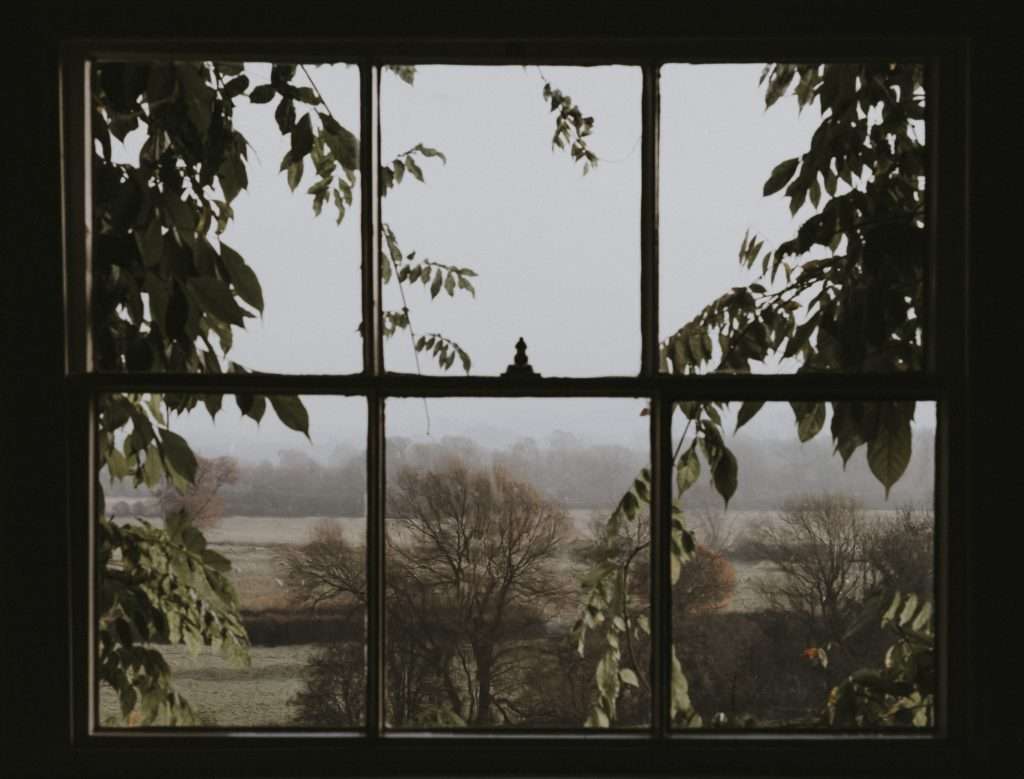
x=201, y=500
x=472, y=581
x=901, y=551
x=486, y=546
x=816, y=545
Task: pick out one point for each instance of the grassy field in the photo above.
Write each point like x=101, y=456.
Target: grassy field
x=227, y=696
x=254, y=543
x=224, y=695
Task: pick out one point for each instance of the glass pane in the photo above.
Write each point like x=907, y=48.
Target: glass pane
x=206, y=179
x=555, y=253
x=793, y=236
x=507, y=582
x=812, y=575
x=248, y=581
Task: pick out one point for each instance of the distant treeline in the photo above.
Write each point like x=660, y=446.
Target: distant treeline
x=573, y=474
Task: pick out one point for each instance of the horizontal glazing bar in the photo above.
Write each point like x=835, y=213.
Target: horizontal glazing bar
x=715, y=387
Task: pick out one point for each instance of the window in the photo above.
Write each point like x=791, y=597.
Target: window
x=660, y=386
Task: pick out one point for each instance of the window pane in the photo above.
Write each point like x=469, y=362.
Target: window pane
x=496, y=525
x=203, y=253
x=826, y=270
x=556, y=254
x=271, y=519
x=811, y=574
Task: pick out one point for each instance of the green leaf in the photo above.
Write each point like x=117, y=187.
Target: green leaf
x=243, y=278
x=153, y=468
x=810, y=417
x=264, y=93
x=687, y=470
x=216, y=561
x=413, y=168
x=909, y=609
x=426, y=151
x=236, y=86
x=923, y=617
x=889, y=452
x=178, y=454
x=435, y=285
x=151, y=244
x=747, y=412
x=890, y=613
x=198, y=96
x=302, y=138
x=295, y=171
x=216, y=299
x=291, y=411
x=781, y=175
x=628, y=676
x=343, y=144
x=252, y=406
x=725, y=475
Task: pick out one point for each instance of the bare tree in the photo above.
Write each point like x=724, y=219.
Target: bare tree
x=485, y=546
x=706, y=584
x=816, y=546
x=901, y=551
x=201, y=500
x=715, y=529
x=472, y=582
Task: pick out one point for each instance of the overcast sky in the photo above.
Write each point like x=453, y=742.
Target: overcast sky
x=557, y=253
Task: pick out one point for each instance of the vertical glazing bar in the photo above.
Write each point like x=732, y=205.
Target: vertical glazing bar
x=661, y=546
x=375, y=552
x=76, y=192
x=651, y=110
x=661, y=432
x=369, y=164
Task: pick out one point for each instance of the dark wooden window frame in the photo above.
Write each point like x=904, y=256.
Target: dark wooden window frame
x=945, y=381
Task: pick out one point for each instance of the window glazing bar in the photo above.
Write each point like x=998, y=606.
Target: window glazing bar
x=651, y=110
x=369, y=164
x=661, y=547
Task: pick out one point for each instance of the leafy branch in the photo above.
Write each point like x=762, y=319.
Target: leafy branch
x=861, y=316
x=572, y=128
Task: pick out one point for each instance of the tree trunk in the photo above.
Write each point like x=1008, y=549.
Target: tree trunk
x=483, y=656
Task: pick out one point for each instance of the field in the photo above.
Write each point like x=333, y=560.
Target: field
x=227, y=696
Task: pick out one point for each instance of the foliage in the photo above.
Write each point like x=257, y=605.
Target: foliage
x=854, y=271
x=902, y=691
x=160, y=586
x=571, y=127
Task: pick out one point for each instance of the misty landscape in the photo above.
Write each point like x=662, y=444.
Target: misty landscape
x=468, y=522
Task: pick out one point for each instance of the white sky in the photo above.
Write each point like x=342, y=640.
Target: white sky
x=557, y=253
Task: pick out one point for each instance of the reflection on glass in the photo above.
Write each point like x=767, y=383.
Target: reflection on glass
x=207, y=182
x=247, y=582
x=811, y=574
x=506, y=584
x=491, y=230
x=801, y=225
